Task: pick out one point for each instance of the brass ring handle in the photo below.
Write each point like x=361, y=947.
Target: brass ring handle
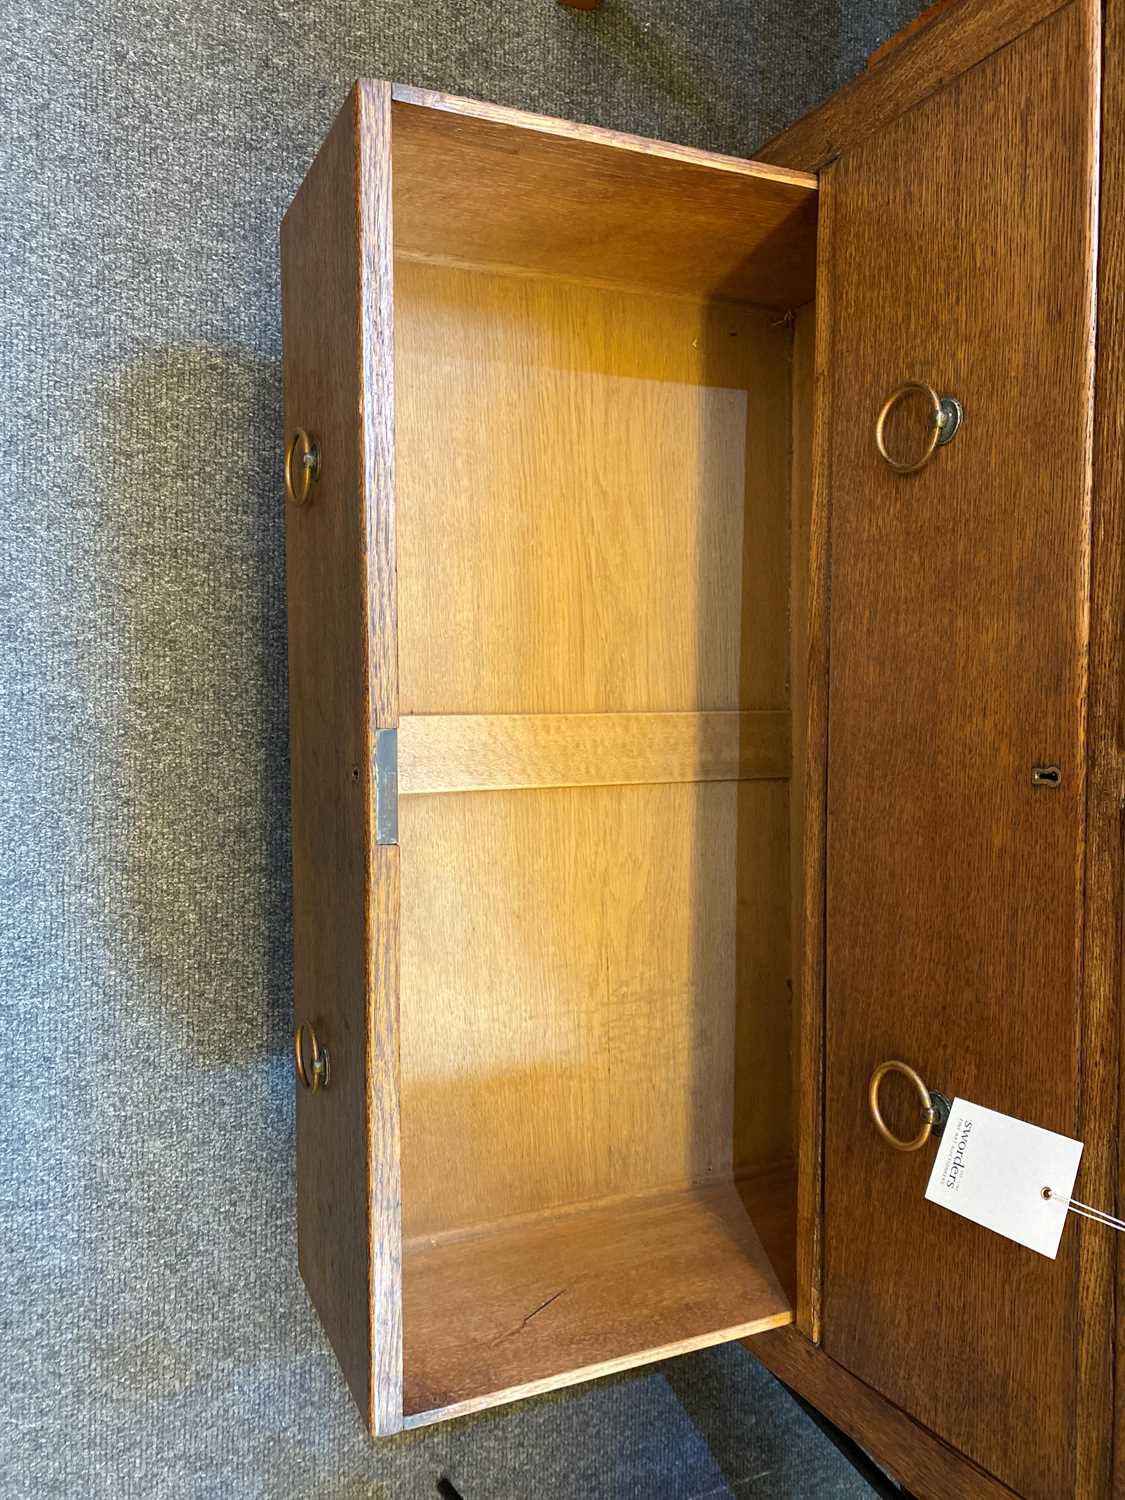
x=309, y=462
x=929, y=1114
x=315, y=1076
x=947, y=416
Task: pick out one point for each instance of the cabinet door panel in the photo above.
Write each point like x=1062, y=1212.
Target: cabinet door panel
x=959, y=603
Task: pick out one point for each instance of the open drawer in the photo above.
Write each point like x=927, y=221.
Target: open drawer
x=550, y=391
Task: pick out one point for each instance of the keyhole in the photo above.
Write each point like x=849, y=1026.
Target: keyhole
x=1045, y=776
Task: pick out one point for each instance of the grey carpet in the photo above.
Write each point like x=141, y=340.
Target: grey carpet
x=156, y=1338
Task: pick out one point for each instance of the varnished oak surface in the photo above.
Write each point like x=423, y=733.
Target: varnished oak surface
x=497, y=752
x=551, y=546
x=593, y=496
x=593, y=204
x=554, y=1300
x=956, y=40
x=593, y=536
x=958, y=661
x=597, y=1004
x=809, y=654
x=593, y=135
x=593, y=570
x=335, y=314
x=1101, y=1454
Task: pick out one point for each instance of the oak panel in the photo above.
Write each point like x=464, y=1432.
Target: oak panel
x=1100, y=1459
x=468, y=752
x=482, y=184
x=958, y=661
x=953, y=42
x=336, y=268
x=594, y=994
x=554, y=1298
x=809, y=697
x=593, y=495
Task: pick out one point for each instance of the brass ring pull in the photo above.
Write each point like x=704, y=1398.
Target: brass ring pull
x=947, y=415
x=315, y=1075
x=929, y=1114
x=309, y=464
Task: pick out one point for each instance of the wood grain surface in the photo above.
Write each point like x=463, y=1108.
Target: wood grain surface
x=928, y=1468
x=957, y=40
x=593, y=499
x=809, y=699
x=1101, y=1453
x=552, y=525
x=594, y=994
x=335, y=318
x=593, y=534
x=593, y=135
x=496, y=752
x=958, y=650
x=593, y=204
x=554, y=1298
x=807, y=1114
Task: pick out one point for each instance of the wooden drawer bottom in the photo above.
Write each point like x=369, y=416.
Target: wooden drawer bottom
x=537, y=1302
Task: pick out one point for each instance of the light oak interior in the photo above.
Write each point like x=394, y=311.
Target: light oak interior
x=594, y=476
x=480, y=184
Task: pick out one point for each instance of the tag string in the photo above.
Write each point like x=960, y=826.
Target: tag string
x=1084, y=1210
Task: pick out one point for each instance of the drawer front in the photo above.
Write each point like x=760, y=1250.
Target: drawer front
x=962, y=257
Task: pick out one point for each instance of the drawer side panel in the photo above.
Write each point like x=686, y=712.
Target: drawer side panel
x=336, y=295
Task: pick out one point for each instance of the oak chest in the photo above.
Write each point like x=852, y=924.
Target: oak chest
x=705, y=687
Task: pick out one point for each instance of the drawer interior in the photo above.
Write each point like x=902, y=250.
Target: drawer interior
x=599, y=595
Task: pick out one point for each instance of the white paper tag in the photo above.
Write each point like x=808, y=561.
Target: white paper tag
x=992, y=1169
